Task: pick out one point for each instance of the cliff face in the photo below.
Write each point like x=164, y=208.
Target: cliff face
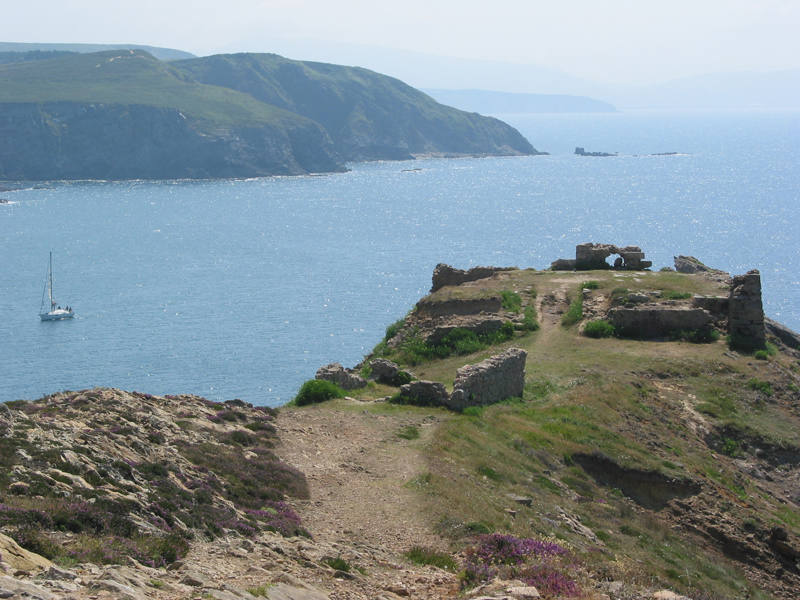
x=73, y=140
x=124, y=114
x=368, y=115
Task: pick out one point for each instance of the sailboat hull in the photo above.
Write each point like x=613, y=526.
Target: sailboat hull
x=57, y=315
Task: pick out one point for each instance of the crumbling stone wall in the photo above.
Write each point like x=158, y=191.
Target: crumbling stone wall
x=659, y=321
x=593, y=256
x=459, y=306
x=347, y=379
x=446, y=275
x=492, y=380
x=746, y=313
x=425, y=393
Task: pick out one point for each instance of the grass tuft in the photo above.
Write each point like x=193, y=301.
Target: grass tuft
x=426, y=556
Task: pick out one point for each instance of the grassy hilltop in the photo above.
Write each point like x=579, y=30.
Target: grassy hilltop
x=661, y=463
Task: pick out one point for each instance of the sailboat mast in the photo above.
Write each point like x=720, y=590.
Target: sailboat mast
x=50, y=282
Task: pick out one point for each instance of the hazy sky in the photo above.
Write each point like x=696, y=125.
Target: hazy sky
x=604, y=40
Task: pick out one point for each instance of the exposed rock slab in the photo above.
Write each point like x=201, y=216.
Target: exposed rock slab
x=19, y=558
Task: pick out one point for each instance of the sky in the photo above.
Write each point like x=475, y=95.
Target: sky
x=606, y=41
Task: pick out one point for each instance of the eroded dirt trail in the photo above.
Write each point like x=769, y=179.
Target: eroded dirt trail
x=359, y=472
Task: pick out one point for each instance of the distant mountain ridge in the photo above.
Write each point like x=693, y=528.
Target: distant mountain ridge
x=124, y=114
x=156, y=51
x=488, y=102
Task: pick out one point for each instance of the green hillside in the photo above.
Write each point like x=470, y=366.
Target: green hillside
x=660, y=463
x=368, y=115
x=131, y=77
x=122, y=113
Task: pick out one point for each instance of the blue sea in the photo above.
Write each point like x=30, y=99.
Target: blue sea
x=243, y=288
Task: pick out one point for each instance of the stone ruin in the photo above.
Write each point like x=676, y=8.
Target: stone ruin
x=590, y=256
x=347, y=379
x=492, y=380
x=495, y=379
x=446, y=275
x=740, y=312
x=746, y=313
x=658, y=321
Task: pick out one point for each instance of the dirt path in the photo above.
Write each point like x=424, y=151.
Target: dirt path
x=551, y=307
x=358, y=471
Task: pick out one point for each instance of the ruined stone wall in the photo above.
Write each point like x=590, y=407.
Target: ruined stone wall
x=745, y=312
x=446, y=275
x=456, y=306
x=590, y=256
x=649, y=322
x=492, y=380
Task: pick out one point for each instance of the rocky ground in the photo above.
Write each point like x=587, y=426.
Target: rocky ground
x=362, y=508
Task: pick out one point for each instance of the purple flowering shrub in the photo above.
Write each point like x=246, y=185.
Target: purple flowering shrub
x=537, y=562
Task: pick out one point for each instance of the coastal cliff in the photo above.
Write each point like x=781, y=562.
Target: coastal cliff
x=123, y=114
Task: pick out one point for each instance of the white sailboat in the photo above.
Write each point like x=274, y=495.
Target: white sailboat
x=56, y=313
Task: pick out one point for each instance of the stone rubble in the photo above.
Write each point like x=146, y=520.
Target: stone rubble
x=347, y=379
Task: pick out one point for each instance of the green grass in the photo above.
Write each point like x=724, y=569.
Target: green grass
x=511, y=301
x=530, y=320
x=338, y=564
x=598, y=329
x=676, y=295
x=764, y=387
x=124, y=77
x=420, y=555
x=414, y=350
x=409, y=432
x=574, y=312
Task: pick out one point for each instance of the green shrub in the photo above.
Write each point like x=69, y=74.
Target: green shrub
x=590, y=285
x=706, y=335
x=402, y=378
x=393, y=329
x=598, y=329
x=260, y=591
x=530, y=321
x=409, y=432
x=765, y=387
x=317, y=390
x=730, y=447
x=574, y=312
x=761, y=355
x=414, y=350
x=427, y=556
x=473, y=411
x=511, y=301
x=477, y=528
x=337, y=563
x=619, y=291
x=675, y=295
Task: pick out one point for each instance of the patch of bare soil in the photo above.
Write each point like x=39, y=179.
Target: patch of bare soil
x=364, y=502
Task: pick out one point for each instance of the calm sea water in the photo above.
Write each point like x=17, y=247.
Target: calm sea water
x=241, y=289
